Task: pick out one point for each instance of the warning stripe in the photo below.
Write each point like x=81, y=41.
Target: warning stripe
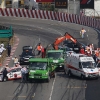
x=72, y=18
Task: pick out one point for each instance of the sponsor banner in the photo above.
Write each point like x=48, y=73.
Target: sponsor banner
x=45, y=0
x=86, y=4
x=61, y=3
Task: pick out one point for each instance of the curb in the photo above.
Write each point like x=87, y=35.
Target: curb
x=8, y=59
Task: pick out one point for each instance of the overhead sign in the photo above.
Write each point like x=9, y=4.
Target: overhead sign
x=45, y=1
x=61, y=3
x=86, y=4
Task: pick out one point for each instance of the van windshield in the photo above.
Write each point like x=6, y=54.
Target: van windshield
x=38, y=66
x=88, y=64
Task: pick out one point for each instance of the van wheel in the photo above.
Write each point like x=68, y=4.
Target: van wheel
x=82, y=77
x=69, y=73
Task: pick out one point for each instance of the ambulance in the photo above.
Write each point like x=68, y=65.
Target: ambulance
x=81, y=65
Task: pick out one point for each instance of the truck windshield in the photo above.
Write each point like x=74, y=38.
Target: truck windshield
x=38, y=66
x=55, y=55
x=88, y=64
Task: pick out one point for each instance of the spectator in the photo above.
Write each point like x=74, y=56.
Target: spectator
x=2, y=44
x=23, y=72
x=82, y=51
x=82, y=32
x=8, y=49
x=94, y=57
x=15, y=60
x=92, y=47
x=4, y=74
x=42, y=51
x=2, y=48
x=39, y=48
x=91, y=50
x=27, y=73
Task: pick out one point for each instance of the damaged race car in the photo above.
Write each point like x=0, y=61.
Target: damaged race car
x=13, y=73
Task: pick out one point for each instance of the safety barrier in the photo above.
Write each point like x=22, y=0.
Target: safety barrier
x=6, y=32
x=59, y=16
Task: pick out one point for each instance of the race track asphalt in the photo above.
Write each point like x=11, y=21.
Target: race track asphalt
x=32, y=31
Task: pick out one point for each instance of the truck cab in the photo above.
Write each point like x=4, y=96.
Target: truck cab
x=81, y=65
x=58, y=56
x=41, y=68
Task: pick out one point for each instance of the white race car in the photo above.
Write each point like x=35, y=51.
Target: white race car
x=13, y=73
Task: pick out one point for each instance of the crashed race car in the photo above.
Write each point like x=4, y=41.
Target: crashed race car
x=13, y=73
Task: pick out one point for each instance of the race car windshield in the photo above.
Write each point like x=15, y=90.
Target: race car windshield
x=88, y=64
x=38, y=66
x=27, y=54
x=55, y=55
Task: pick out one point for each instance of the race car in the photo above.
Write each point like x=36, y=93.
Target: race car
x=26, y=54
x=13, y=73
x=27, y=48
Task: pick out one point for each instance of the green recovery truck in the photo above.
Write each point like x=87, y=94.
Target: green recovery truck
x=58, y=58
x=41, y=68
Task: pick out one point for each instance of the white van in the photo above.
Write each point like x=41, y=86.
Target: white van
x=80, y=65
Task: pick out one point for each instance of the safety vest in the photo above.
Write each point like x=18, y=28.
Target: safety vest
x=39, y=48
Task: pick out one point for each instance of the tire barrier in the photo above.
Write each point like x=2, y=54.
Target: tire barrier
x=59, y=16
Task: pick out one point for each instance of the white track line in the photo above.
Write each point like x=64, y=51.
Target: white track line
x=52, y=88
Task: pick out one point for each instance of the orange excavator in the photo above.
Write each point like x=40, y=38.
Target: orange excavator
x=66, y=37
